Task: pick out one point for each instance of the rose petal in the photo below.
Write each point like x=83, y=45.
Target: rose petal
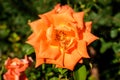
x=57, y=61
x=82, y=49
x=79, y=17
x=63, y=18
x=38, y=25
x=51, y=52
x=89, y=38
x=39, y=61
x=70, y=60
x=88, y=26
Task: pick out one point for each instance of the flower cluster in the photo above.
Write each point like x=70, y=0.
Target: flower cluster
x=15, y=68
x=61, y=37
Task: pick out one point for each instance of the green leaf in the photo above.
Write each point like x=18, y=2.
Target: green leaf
x=80, y=72
x=4, y=33
x=62, y=70
x=116, y=47
x=105, y=45
x=116, y=20
x=14, y=37
x=27, y=49
x=114, y=33
x=1, y=71
x=54, y=78
x=104, y=2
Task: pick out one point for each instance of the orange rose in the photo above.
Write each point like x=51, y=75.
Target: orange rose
x=61, y=37
x=15, y=68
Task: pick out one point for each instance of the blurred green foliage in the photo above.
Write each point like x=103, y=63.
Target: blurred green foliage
x=105, y=53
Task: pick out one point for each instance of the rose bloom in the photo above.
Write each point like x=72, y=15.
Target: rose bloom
x=61, y=37
x=15, y=68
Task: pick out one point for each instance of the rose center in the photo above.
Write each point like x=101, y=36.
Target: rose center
x=63, y=38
